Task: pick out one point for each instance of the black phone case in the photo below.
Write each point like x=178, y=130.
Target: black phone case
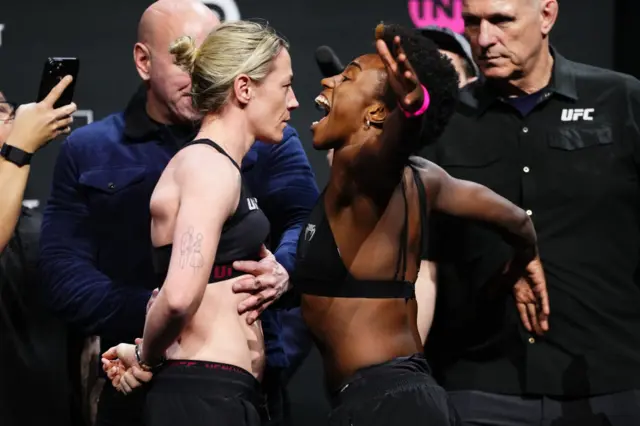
x=55, y=69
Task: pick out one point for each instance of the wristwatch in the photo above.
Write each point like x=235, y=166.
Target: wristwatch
x=15, y=155
x=144, y=365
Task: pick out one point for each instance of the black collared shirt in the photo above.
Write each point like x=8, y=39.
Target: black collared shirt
x=139, y=127
x=572, y=164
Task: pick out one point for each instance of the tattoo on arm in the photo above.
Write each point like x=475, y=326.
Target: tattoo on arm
x=190, y=250
x=185, y=245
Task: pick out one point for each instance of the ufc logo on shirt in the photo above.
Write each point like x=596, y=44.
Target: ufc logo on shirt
x=252, y=203
x=577, y=114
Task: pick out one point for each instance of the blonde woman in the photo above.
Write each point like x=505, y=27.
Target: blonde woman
x=204, y=219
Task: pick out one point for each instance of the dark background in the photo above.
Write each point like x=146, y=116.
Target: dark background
x=102, y=33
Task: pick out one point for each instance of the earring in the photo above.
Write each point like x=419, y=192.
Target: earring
x=367, y=124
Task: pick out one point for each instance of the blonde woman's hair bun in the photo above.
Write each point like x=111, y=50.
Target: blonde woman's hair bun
x=186, y=53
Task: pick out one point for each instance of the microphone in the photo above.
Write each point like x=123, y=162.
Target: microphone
x=328, y=61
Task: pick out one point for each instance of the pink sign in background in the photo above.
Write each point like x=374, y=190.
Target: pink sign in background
x=444, y=13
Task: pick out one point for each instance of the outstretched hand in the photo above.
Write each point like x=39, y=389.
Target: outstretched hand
x=401, y=75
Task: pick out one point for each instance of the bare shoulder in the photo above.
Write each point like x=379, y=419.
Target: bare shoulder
x=199, y=165
x=207, y=180
x=419, y=163
x=432, y=175
x=427, y=169
x=422, y=166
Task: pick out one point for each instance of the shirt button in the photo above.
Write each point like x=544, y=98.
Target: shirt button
x=111, y=185
x=529, y=212
x=525, y=130
x=525, y=169
x=532, y=340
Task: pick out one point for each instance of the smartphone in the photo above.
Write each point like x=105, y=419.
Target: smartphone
x=55, y=69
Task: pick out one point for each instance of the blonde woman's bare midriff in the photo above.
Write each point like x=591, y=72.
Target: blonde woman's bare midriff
x=218, y=333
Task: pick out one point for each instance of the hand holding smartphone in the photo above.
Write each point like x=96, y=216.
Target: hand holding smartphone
x=55, y=69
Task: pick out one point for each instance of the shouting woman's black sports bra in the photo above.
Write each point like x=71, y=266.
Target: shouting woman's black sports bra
x=320, y=270
x=243, y=234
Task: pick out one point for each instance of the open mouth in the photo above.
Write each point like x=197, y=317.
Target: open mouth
x=322, y=104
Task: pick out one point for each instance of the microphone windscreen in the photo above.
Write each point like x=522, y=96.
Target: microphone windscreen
x=328, y=61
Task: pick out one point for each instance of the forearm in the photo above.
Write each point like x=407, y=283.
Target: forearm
x=162, y=328
x=476, y=202
x=512, y=223
x=13, y=181
x=286, y=252
x=520, y=234
x=517, y=230
x=286, y=256
x=289, y=195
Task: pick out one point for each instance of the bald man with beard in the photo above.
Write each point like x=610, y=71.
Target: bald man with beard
x=95, y=244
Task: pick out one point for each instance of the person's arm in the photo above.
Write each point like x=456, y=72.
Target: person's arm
x=34, y=125
x=13, y=181
x=476, y=202
x=286, y=193
x=75, y=289
x=470, y=200
x=206, y=201
x=290, y=195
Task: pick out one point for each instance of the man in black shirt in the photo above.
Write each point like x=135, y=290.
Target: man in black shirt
x=561, y=140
